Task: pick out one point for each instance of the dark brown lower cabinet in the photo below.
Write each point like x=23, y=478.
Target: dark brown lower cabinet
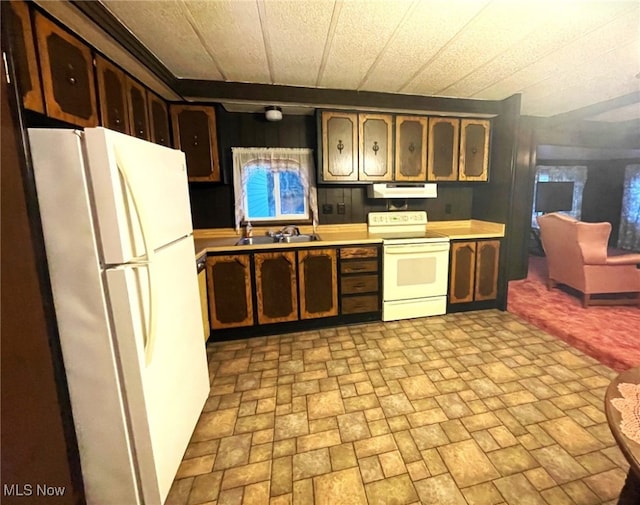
x=317, y=269
x=229, y=282
x=359, y=279
x=276, y=286
x=474, y=271
x=487, y=256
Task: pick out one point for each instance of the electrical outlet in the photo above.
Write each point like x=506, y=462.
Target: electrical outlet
x=327, y=208
x=447, y=208
x=341, y=208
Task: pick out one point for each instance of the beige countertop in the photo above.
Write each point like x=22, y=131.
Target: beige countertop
x=224, y=239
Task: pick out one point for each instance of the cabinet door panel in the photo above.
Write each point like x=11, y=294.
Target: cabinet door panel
x=112, y=96
x=358, y=304
x=411, y=148
x=194, y=132
x=443, y=149
x=474, y=150
x=359, y=252
x=487, y=257
x=158, y=120
x=67, y=75
x=463, y=261
x=138, y=111
x=374, y=155
x=355, y=267
x=318, y=283
x=339, y=146
x=25, y=55
x=359, y=284
x=276, y=287
x=229, y=281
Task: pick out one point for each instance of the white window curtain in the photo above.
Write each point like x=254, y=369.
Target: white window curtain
x=629, y=235
x=277, y=159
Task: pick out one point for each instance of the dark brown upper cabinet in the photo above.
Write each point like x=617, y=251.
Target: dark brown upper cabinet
x=442, y=162
x=411, y=148
x=112, y=96
x=158, y=119
x=24, y=53
x=318, y=271
x=229, y=283
x=375, y=152
x=194, y=132
x=339, y=146
x=137, y=108
x=67, y=74
x=474, y=149
x=276, y=287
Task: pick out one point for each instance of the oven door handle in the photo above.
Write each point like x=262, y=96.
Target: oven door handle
x=419, y=248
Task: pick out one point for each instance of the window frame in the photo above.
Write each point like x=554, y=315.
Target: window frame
x=279, y=217
x=278, y=159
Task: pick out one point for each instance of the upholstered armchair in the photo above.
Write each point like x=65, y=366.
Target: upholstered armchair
x=577, y=257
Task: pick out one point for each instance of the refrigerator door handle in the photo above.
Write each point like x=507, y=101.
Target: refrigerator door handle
x=148, y=263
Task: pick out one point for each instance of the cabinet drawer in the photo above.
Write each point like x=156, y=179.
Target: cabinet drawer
x=356, y=304
x=359, y=284
x=356, y=267
x=359, y=252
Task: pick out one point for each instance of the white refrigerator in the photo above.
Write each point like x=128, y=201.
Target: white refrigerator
x=118, y=237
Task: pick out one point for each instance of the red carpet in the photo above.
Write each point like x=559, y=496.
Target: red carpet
x=610, y=334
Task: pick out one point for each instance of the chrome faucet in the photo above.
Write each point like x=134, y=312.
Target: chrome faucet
x=289, y=230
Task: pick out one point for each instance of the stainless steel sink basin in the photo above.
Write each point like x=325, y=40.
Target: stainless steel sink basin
x=278, y=239
x=256, y=240
x=300, y=238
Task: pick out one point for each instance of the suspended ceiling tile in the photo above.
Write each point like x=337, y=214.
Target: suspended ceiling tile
x=551, y=35
x=363, y=29
x=297, y=35
x=586, y=52
x=232, y=34
x=151, y=21
x=493, y=31
x=580, y=86
x=427, y=28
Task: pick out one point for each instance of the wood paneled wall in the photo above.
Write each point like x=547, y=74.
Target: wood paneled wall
x=212, y=204
x=38, y=441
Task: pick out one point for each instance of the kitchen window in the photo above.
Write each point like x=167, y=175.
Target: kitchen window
x=274, y=184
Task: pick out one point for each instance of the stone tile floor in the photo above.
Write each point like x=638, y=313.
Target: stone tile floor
x=477, y=408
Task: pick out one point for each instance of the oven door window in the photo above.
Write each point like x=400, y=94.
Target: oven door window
x=415, y=271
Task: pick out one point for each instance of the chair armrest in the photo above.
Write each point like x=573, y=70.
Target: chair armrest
x=624, y=259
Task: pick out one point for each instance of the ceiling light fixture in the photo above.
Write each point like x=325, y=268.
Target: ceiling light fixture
x=273, y=113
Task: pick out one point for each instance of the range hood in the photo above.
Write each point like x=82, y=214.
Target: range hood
x=403, y=190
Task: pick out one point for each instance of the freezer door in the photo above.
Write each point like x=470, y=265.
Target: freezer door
x=158, y=329
x=136, y=185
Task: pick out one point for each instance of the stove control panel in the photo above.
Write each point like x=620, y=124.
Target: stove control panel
x=397, y=218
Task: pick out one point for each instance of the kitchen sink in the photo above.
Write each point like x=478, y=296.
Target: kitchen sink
x=299, y=238
x=278, y=239
x=257, y=240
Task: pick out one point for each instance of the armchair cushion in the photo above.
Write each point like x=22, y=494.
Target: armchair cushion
x=577, y=257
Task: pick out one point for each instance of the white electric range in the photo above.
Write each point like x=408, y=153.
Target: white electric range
x=415, y=265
